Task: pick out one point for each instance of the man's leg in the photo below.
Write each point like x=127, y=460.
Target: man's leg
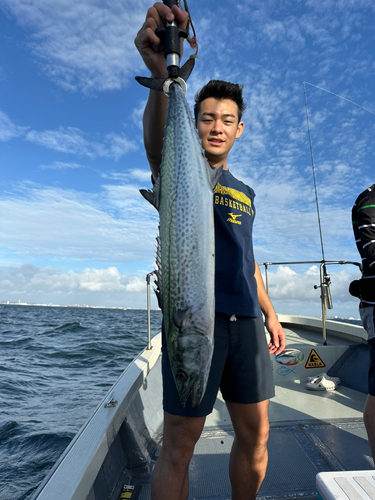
x=369, y=420
x=249, y=456
x=170, y=479
x=368, y=320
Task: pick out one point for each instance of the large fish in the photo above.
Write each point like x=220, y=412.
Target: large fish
x=183, y=195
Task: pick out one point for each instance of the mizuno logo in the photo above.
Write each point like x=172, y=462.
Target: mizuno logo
x=233, y=218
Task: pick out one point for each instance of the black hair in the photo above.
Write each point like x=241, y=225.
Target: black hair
x=219, y=89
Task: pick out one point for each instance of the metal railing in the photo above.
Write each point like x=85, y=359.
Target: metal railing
x=148, y=280
x=325, y=292
x=325, y=281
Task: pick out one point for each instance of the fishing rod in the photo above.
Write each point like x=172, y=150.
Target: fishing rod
x=311, y=151
x=325, y=279
x=170, y=36
x=313, y=170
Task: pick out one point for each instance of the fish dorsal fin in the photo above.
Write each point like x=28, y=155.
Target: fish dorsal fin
x=214, y=175
x=159, y=275
x=152, y=195
x=179, y=316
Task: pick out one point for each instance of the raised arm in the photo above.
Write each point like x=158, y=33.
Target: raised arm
x=152, y=52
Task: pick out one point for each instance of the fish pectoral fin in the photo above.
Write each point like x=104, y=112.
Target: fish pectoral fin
x=214, y=175
x=179, y=316
x=151, y=83
x=157, y=83
x=152, y=195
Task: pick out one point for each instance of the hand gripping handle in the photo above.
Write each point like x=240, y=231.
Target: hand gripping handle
x=171, y=38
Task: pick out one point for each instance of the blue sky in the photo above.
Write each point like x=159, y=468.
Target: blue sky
x=73, y=226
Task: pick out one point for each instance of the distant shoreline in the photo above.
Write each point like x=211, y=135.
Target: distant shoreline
x=77, y=306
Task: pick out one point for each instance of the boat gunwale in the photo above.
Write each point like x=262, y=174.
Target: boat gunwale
x=346, y=331
x=95, y=437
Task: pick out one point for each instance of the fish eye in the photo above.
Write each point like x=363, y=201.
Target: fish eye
x=181, y=376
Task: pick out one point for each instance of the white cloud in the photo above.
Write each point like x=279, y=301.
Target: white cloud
x=85, y=45
x=137, y=114
x=118, y=145
x=60, y=165
x=142, y=175
x=109, y=280
x=59, y=286
x=70, y=140
x=73, y=141
x=8, y=129
x=292, y=291
x=63, y=224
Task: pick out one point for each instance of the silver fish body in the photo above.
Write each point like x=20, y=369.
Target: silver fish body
x=183, y=195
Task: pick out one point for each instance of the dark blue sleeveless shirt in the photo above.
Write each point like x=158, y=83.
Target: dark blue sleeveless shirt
x=235, y=284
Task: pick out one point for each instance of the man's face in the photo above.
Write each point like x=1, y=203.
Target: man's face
x=218, y=128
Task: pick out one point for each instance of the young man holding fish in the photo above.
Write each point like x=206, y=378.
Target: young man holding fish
x=245, y=378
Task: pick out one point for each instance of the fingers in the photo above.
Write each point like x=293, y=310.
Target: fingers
x=181, y=16
x=279, y=349
x=148, y=43
x=146, y=36
x=277, y=344
x=160, y=13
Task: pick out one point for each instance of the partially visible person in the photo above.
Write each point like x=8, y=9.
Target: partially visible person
x=363, y=216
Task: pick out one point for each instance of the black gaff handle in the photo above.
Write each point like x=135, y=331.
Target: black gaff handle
x=170, y=35
x=170, y=3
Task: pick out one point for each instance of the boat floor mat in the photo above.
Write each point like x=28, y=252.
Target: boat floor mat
x=296, y=454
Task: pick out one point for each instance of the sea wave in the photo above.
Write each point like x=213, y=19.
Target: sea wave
x=57, y=365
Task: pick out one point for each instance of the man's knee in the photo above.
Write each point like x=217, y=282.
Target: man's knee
x=250, y=423
x=254, y=435
x=180, y=437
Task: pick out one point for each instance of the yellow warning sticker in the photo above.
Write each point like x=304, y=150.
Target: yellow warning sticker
x=127, y=492
x=314, y=360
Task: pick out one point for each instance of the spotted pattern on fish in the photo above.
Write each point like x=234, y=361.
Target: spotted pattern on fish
x=184, y=198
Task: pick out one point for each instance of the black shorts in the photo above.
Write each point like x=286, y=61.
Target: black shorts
x=241, y=367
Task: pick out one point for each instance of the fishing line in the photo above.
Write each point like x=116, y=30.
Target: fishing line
x=341, y=97
x=311, y=151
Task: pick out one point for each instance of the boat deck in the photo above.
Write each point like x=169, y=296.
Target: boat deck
x=311, y=432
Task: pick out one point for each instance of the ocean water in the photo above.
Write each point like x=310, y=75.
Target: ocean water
x=56, y=365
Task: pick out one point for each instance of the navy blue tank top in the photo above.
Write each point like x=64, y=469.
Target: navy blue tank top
x=235, y=284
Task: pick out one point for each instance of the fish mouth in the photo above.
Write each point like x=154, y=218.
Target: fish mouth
x=192, y=387
x=196, y=397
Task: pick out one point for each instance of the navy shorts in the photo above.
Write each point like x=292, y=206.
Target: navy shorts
x=241, y=367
